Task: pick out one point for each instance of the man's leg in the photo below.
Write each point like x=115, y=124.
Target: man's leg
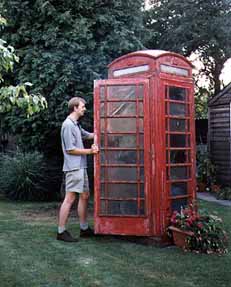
x=63, y=234
x=85, y=230
x=82, y=207
x=65, y=208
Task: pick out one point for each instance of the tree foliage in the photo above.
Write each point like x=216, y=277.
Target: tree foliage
x=63, y=47
x=15, y=96
x=187, y=26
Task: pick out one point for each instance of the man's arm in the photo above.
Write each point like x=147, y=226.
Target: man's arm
x=69, y=142
x=91, y=136
x=79, y=151
x=86, y=135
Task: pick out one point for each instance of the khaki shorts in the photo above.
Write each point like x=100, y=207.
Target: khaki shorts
x=76, y=181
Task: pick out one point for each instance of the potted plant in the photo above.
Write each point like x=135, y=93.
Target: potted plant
x=200, y=233
x=201, y=171
x=206, y=172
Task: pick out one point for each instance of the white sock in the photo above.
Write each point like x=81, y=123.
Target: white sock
x=61, y=229
x=84, y=226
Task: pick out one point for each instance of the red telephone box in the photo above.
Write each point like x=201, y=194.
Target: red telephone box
x=144, y=123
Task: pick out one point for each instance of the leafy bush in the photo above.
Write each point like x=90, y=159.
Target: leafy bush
x=206, y=171
x=224, y=193
x=24, y=176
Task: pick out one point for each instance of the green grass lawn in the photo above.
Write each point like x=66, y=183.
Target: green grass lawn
x=30, y=255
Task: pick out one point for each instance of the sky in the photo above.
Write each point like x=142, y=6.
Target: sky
x=226, y=72
x=225, y=76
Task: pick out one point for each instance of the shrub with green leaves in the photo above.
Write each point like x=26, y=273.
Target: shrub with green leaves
x=224, y=193
x=24, y=176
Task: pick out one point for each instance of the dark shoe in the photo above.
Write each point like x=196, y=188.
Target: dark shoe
x=86, y=233
x=66, y=236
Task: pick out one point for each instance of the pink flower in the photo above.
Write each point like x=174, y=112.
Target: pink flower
x=200, y=225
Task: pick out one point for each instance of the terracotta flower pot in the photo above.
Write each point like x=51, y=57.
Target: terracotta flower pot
x=179, y=236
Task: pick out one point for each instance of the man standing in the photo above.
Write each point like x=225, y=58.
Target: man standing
x=74, y=167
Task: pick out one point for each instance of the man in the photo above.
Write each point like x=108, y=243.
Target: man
x=74, y=167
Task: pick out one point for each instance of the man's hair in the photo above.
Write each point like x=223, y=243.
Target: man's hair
x=74, y=102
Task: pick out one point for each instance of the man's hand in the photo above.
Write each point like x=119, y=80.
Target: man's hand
x=94, y=149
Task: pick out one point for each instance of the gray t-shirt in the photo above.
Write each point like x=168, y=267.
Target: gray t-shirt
x=72, y=136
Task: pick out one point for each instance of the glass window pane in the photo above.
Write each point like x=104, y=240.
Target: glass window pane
x=142, y=173
x=103, y=208
x=177, y=109
x=179, y=156
x=102, y=109
x=177, y=125
x=122, y=125
x=131, y=70
x=178, y=203
x=125, y=141
x=142, y=190
x=140, y=92
x=179, y=188
x=102, y=190
x=121, y=109
x=141, y=140
x=102, y=127
x=119, y=173
x=174, y=70
x=142, y=207
x=102, y=141
x=178, y=141
x=141, y=157
x=119, y=157
x=141, y=125
x=178, y=94
x=119, y=190
x=124, y=109
x=102, y=91
x=141, y=109
x=179, y=172
x=121, y=93
x=122, y=207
